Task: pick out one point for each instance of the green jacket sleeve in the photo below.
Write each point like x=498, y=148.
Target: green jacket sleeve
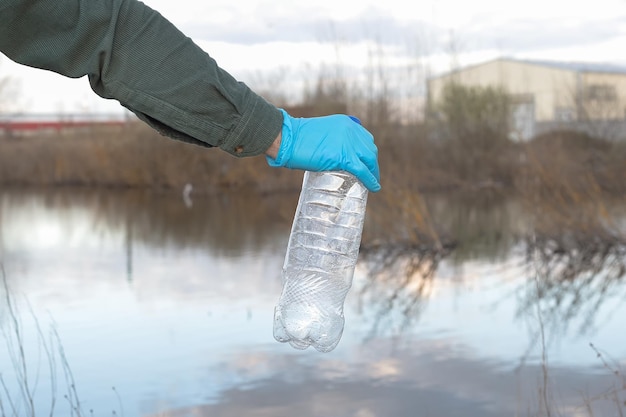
x=134, y=55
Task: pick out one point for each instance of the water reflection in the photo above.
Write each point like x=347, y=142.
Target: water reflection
x=52, y=225
x=172, y=304
x=383, y=379
x=224, y=222
x=397, y=285
x=572, y=276
x=485, y=225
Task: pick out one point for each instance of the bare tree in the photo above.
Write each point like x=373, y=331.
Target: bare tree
x=272, y=85
x=8, y=93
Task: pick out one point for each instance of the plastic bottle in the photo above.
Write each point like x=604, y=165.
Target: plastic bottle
x=321, y=256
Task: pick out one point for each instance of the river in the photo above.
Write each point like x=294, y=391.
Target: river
x=146, y=304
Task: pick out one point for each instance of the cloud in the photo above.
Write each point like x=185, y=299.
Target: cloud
x=500, y=35
x=373, y=26
x=522, y=35
x=437, y=377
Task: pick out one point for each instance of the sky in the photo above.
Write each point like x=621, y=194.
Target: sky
x=278, y=44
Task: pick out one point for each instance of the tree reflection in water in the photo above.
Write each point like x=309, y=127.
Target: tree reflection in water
x=575, y=257
x=573, y=277
x=398, y=282
x=572, y=274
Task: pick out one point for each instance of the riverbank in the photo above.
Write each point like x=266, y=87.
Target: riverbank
x=135, y=156
x=567, y=174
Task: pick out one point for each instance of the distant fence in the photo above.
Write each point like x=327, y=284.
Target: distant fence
x=26, y=123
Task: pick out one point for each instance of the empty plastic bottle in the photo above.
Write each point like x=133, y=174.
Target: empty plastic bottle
x=321, y=256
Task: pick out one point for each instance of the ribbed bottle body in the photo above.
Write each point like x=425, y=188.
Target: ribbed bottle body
x=320, y=261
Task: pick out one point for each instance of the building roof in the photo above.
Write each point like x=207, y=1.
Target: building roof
x=576, y=66
x=596, y=67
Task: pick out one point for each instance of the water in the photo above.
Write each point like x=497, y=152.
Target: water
x=167, y=310
x=321, y=256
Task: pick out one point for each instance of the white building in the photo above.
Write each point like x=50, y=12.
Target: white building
x=550, y=95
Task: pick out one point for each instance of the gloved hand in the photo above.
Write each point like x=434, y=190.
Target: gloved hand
x=329, y=143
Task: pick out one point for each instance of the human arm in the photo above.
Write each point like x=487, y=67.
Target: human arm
x=272, y=151
x=133, y=54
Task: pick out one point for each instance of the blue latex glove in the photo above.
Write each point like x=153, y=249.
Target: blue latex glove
x=329, y=143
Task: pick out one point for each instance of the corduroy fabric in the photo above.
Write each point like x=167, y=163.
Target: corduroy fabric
x=132, y=54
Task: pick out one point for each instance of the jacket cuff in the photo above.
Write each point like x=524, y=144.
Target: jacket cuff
x=257, y=129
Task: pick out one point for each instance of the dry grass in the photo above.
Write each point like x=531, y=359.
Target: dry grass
x=566, y=178
x=131, y=156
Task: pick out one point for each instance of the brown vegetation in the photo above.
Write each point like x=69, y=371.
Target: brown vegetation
x=136, y=156
x=133, y=156
x=462, y=146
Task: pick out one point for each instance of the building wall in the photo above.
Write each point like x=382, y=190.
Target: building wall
x=551, y=89
x=603, y=96
x=547, y=98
